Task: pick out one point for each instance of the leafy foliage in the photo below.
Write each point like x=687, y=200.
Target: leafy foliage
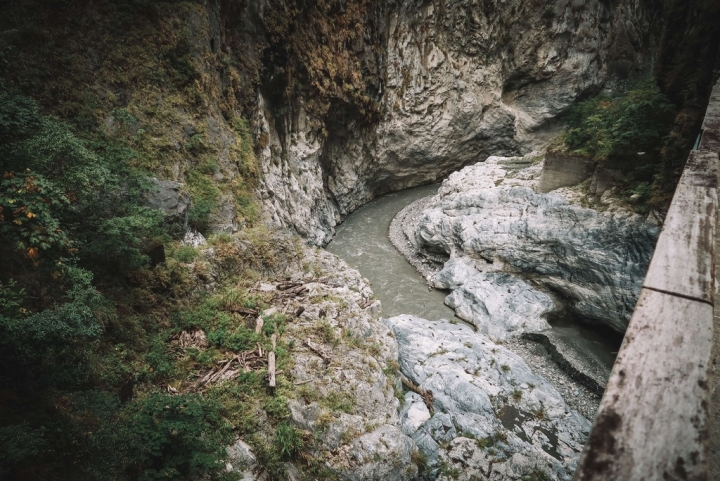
x=179, y=436
x=72, y=229
x=288, y=440
x=618, y=128
x=205, y=195
x=628, y=133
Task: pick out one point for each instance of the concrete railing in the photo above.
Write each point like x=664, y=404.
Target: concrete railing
x=652, y=423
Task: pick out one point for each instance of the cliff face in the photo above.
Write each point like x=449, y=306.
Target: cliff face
x=344, y=100
x=461, y=81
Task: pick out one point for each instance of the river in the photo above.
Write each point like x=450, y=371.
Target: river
x=362, y=241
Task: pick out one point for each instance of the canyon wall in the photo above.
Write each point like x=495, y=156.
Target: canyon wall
x=460, y=81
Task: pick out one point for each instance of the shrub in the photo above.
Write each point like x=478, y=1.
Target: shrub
x=205, y=197
x=617, y=128
x=180, y=437
x=185, y=254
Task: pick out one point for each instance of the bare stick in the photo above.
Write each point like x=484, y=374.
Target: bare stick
x=319, y=350
x=426, y=395
x=271, y=368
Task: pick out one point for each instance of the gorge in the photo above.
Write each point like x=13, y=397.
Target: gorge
x=234, y=235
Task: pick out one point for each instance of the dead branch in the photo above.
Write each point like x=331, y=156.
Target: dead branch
x=244, y=311
x=319, y=350
x=425, y=394
x=271, y=368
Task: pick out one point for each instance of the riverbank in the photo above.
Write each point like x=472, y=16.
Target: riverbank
x=370, y=240
x=560, y=355
x=487, y=398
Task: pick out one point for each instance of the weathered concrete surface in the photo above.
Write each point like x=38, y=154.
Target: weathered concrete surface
x=714, y=382
x=711, y=142
x=564, y=170
x=653, y=419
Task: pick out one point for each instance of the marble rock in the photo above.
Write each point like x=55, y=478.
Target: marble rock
x=493, y=418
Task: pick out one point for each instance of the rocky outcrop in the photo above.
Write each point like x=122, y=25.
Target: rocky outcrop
x=347, y=400
x=342, y=394
x=592, y=262
x=498, y=304
x=171, y=199
x=493, y=419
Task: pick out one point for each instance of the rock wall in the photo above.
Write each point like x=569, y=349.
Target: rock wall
x=462, y=80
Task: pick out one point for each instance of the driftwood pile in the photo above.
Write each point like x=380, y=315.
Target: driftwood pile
x=289, y=290
x=230, y=369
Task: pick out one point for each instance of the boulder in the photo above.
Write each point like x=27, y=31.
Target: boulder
x=500, y=305
x=595, y=260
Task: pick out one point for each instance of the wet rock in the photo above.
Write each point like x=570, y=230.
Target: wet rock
x=494, y=419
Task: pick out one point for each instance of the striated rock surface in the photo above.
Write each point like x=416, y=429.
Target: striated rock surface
x=498, y=304
x=594, y=262
x=461, y=81
x=493, y=418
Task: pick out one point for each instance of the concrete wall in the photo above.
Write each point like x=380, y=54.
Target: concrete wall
x=562, y=169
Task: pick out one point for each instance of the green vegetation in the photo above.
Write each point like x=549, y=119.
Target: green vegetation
x=627, y=133
x=540, y=414
x=316, y=60
x=89, y=329
x=205, y=195
x=72, y=233
x=614, y=130
x=339, y=401
x=288, y=441
x=538, y=474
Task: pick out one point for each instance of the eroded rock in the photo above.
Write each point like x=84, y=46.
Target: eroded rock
x=170, y=198
x=498, y=304
x=461, y=82
x=595, y=260
x=346, y=396
x=494, y=419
